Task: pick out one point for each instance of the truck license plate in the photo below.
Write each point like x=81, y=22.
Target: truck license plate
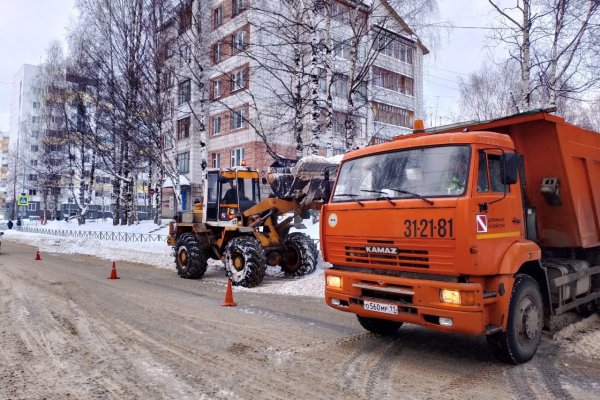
x=380, y=307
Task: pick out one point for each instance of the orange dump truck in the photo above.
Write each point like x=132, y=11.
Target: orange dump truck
x=488, y=228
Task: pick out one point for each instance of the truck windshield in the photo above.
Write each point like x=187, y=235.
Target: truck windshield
x=422, y=172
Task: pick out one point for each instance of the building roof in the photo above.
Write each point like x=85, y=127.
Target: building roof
x=394, y=13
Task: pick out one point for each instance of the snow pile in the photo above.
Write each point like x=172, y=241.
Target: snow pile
x=157, y=254
x=312, y=285
x=582, y=337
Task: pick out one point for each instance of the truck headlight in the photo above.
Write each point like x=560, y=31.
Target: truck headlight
x=334, y=281
x=450, y=296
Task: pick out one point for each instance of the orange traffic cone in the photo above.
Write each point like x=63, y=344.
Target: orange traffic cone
x=229, y=296
x=113, y=272
x=38, y=256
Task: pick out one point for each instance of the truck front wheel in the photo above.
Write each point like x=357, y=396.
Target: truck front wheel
x=301, y=255
x=524, y=326
x=380, y=326
x=245, y=261
x=190, y=259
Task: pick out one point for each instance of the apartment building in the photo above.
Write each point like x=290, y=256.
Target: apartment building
x=40, y=159
x=248, y=87
x=4, y=162
x=24, y=131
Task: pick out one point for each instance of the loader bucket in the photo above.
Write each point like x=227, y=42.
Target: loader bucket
x=305, y=180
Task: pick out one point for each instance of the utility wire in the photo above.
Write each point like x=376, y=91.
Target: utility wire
x=452, y=26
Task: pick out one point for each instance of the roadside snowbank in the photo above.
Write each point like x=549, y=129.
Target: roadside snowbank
x=582, y=337
x=156, y=254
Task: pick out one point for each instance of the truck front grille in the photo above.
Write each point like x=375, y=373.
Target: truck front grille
x=434, y=256
x=410, y=258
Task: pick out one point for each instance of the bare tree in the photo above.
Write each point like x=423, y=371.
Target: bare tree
x=567, y=37
x=551, y=40
x=52, y=138
x=117, y=47
x=486, y=94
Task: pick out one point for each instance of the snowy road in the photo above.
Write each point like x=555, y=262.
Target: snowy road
x=68, y=332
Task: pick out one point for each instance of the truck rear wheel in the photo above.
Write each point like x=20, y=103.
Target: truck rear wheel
x=245, y=261
x=190, y=259
x=380, y=326
x=301, y=255
x=524, y=327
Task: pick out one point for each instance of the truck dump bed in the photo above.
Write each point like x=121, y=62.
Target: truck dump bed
x=568, y=211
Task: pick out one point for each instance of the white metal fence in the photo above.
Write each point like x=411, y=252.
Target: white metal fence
x=100, y=235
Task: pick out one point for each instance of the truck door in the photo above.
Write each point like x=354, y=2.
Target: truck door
x=498, y=217
x=212, y=196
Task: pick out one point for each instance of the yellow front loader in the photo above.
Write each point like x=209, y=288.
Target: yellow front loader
x=232, y=224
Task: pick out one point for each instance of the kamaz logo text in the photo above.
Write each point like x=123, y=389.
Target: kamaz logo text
x=381, y=250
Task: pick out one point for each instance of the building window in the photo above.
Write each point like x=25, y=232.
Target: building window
x=167, y=80
x=32, y=192
x=32, y=207
x=184, y=92
x=168, y=141
x=33, y=177
x=34, y=148
x=216, y=160
x=237, y=119
x=238, y=80
x=183, y=162
x=238, y=41
x=218, y=52
x=217, y=89
x=339, y=12
x=216, y=125
x=237, y=6
x=342, y=49
x=34, y=163
x=237, y=156
x=393, y=81
x=397, y=116
x=217, y=16
x=338, y=124
x=186, y=55
x=183, y=128
x=339, y=87
x=394, y=48
x=36, y=104
x=185, y=19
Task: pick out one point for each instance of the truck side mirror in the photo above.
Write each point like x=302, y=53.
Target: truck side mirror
x=510, y=164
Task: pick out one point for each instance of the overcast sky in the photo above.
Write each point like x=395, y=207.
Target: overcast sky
x=28, y=26
x=26, y=29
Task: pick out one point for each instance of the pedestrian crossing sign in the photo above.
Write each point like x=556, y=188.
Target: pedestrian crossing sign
x=23, y=201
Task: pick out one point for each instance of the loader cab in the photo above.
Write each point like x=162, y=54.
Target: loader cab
x=229, y=192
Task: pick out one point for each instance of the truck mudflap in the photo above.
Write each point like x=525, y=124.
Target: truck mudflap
x=415, y=301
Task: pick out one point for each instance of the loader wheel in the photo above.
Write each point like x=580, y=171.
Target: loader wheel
x=190, y=259
x=525, y=321
x=301, y=255
x=380, y=326
x=245, y=261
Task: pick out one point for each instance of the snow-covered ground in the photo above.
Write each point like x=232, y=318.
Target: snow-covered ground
x=157, y=254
